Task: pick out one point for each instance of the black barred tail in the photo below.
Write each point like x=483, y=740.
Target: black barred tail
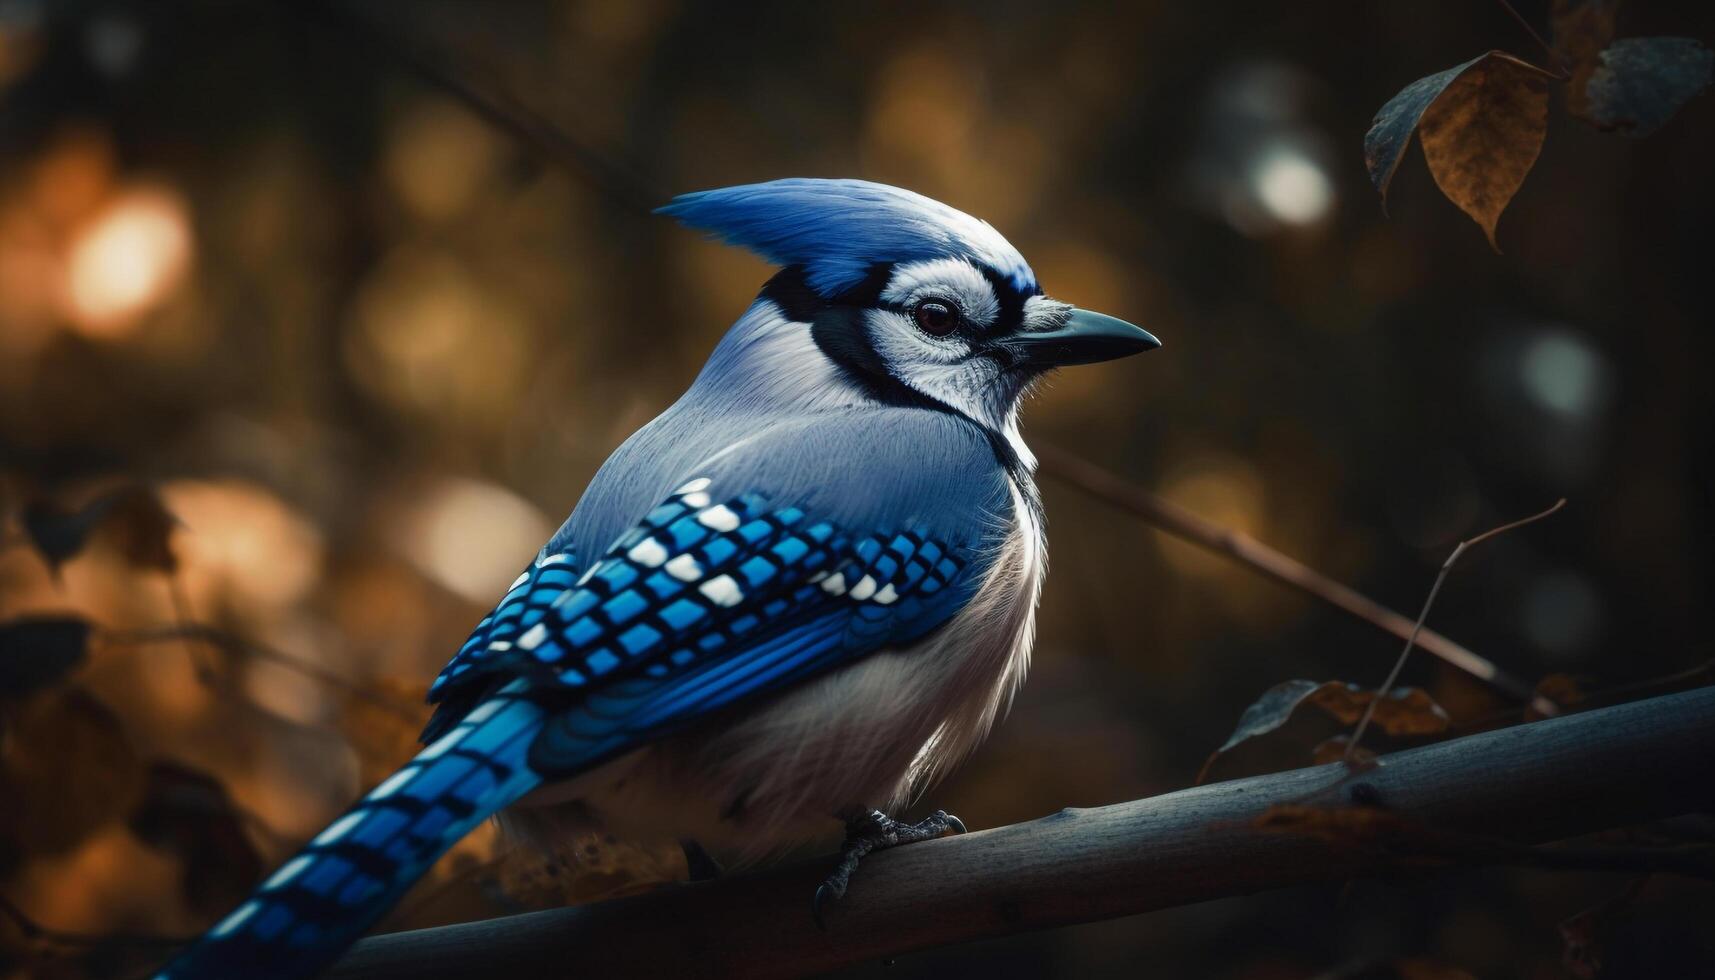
x=303, y=917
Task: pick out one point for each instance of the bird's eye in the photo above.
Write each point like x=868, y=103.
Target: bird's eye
x=936, y=317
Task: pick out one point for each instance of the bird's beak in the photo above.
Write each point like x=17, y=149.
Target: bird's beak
x=1084, y=338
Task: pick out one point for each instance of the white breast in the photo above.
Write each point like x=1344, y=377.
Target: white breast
x=867, y=735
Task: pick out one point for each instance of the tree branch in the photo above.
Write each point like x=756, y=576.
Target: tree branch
x=1181, y=523
x=1479, y=798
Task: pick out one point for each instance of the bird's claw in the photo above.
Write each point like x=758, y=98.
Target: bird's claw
x=824, y=895
x=870, y=832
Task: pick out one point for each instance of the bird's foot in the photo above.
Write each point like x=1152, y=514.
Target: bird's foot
x=871, y=832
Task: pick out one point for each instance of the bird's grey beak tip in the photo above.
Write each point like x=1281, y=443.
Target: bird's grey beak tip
x=1086, y=337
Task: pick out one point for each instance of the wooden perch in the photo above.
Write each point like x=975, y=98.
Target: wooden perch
x=1545, y=781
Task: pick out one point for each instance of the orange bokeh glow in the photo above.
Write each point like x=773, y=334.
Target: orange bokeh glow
x=126, y=260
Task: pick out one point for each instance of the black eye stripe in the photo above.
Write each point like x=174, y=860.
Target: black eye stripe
x=790, y=289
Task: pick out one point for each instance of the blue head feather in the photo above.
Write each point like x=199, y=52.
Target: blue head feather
x=837, y=229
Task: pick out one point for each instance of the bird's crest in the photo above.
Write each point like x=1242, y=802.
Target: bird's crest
x=837, y=229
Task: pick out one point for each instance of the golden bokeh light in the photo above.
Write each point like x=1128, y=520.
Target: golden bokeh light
x=1219, y=488
x=438, y=158
x=126, y=260
x=470, y=536
x=430, y=337
x=242, y=547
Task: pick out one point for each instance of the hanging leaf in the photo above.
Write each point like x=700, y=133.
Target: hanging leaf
x=37, y=651
x=142, y=525
x=187, y=813
x=57, y=534
x=1481, y=123
x=1390, y=132
x=1265, y=714
x=142, y=530
x=68, y=770
x=1581, y=29
x=1405, y=711
x=1334, y=749
x=1640, y=82
x=1482, y=136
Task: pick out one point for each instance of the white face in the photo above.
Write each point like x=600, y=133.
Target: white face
x=940, y=329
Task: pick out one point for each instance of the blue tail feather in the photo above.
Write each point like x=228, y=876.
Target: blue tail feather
x=305, y=915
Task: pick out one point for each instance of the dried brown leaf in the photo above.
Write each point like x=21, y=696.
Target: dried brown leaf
x=1334, y=750
x=1482, y=135
x=140, y=523
x=1390, y=132
x=38, y=651
x=1404, y=711
x=1581, y=29
x=1640, y=82
x=1270, y=711
x=188, y=813
x=68, y=768
x=141, y=527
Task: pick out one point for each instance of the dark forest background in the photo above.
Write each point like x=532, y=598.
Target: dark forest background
x=368, y=349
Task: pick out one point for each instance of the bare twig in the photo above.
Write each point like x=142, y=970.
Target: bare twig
x=234, y=643
x=1547, y=780
x=1679, y=680
x=1553, y=55
x=1112, y=489
x=184, y=618
x=493, y=106
x=1417, y=627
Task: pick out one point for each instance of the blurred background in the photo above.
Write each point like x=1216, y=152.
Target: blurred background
x=370, y=350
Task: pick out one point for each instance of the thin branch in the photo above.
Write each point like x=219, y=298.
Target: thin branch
x=1548, y=780
x=183, y=617
x=238, y=644
x=1429, y=602
x=1679, y=680
x=509, y=115
x=1114, y=490
x=1553, y=55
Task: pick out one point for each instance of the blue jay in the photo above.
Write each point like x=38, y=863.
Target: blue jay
x=799, y=594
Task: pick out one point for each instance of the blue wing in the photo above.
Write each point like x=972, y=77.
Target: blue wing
x=696, y=607
x=700, y=605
